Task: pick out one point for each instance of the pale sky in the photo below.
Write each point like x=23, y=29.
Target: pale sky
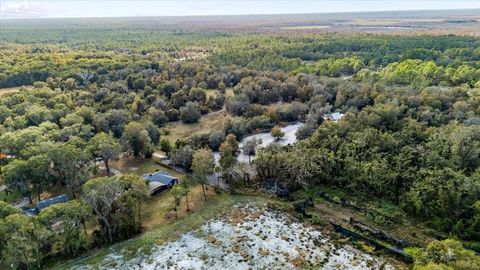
x=128, y=8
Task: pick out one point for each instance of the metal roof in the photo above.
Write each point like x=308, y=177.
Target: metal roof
x=160, y=177
x=46, y=203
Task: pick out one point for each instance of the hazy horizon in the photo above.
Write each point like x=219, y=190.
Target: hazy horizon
x=15, y=9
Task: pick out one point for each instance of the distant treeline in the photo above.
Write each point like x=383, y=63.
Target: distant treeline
x=29, y=56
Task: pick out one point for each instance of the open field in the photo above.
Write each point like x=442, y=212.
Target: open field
x=442, y=22
x=212, y=92
x=140, y=166
x=207, y=123
x=4, y=91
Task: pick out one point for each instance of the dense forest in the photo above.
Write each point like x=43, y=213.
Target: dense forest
x=410, y=135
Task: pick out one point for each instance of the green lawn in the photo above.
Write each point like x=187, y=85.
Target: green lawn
x=140, y=166
x=151, y=166
x=10, y=197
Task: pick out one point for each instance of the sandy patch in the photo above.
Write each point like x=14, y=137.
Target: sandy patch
x=250, y=237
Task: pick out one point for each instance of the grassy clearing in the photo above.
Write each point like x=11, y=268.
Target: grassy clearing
x=141, y=166
x=170, y=230
x=207, y=123
x=156, y=211
x=9, y=197
x=229, y=92
x=4, y=91
x=213, y=92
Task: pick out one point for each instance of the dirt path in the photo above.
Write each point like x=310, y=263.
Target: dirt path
x=25, y=201
x=112, y=170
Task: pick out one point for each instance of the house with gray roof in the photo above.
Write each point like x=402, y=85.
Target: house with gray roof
x=159, y=181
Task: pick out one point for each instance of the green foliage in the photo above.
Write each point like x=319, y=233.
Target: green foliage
x=277, y=133
x=228, y=152
x=16, y=176
x=182, y=157
x=446, y=254
x=177, y=194
x=71, y=164
x=24, y=241
x=203, y=165
x=165, y=145
x=116, y=202
x=70, y=217
x=190, y=113
x=6, y=210
x=335, y=67
x=409, y=138
x=105, y=147
x=215, y=139
x=250, y=146
x=136, y=139
x=317, y=220
x=385, y=153
x=185, y=189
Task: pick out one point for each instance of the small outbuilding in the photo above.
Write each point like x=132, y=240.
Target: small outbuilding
x=159, y=181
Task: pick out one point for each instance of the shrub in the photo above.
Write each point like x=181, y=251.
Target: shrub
x=190, y=113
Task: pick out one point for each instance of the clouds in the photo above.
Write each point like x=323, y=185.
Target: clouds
x=123, y=8
x=22, y=9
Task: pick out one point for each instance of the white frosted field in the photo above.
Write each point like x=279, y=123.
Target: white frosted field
x=250, y=237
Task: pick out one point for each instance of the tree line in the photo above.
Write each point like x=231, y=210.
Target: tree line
x=60, y=229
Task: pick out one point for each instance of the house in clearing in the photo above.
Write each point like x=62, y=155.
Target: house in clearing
x=159, y=181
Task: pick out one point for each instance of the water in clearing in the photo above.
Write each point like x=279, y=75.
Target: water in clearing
x=267, y=139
